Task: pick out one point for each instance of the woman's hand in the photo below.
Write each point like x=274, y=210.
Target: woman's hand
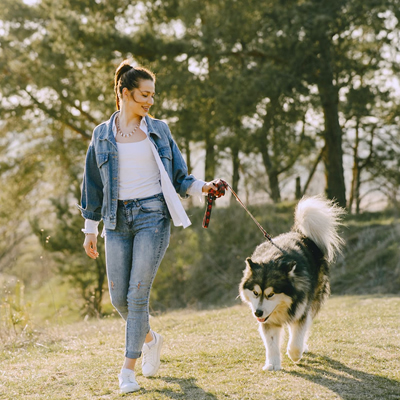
x=208, y=186
x=217, y=185
x=90, y=245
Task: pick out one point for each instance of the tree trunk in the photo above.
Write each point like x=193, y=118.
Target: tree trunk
x=271, y=170
x=274, y=186
x=333, y=154
x=189, y=166
x=298, y=188
x=272, y=177
x=210, y=158
x=188, y=155
x=235, y=174
x=357, y=191
x=355, y=171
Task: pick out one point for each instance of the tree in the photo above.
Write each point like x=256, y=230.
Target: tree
x=332, y=59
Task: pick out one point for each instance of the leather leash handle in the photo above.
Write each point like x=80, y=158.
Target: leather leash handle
x=207, y=215
x=212, y=195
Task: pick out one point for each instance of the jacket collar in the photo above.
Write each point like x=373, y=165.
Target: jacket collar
x=107, y=133
x=150, y=126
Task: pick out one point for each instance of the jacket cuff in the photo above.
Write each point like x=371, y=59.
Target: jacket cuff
x=89, y=214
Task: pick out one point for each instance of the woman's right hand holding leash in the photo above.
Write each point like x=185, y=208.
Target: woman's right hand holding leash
x=215, y=190
x=90, y=245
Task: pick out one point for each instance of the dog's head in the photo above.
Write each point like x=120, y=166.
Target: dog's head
x=267, y=288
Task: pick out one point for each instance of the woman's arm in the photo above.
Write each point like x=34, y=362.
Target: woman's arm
x=181, y=178
x=92, y=188
x=91, y=202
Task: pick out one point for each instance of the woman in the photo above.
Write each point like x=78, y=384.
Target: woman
x=133, y=173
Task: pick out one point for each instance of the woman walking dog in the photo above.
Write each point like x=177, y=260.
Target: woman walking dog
x=133, y=173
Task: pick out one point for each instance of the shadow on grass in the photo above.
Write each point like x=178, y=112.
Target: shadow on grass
x=189, y=390
x=348, y=383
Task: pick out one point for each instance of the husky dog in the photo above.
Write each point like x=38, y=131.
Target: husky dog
x=287, y=281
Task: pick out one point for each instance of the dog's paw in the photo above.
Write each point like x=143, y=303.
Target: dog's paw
x=305, y=349
x=295, y=354
x=271, y=367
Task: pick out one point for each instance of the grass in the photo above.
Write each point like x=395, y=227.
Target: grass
x=217, y=354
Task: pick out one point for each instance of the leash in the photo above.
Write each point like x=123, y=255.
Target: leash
x=215, y=194
x=211, y=197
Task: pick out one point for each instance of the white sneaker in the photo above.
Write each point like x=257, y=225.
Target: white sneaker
x=151, y=355
x=127, y=381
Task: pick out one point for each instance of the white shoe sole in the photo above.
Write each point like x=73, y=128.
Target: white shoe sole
x=161, y=340
x=130, y=389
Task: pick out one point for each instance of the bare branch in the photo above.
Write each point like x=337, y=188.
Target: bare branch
x=313, y=169
x=54, y=115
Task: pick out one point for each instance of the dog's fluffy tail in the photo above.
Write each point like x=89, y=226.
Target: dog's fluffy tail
x=319, y=219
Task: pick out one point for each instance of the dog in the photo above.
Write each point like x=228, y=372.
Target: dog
x=286, y=281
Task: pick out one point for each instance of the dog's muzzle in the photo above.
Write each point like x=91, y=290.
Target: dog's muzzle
x=258, y=314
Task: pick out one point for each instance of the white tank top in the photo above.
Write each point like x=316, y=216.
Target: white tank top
x=139, y=175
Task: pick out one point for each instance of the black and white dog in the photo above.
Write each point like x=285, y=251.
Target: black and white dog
x=287, y=281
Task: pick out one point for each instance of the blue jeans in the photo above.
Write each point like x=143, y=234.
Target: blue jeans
x=134, y=251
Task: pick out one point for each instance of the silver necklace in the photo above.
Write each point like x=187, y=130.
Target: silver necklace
x=126, y=134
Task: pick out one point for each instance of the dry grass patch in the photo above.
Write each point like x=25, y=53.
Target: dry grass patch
x=354, y=354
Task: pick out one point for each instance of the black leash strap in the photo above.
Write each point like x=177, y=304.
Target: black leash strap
x=264, y=232
x=212, y=195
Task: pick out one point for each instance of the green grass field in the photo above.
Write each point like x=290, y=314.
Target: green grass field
x=218, y=354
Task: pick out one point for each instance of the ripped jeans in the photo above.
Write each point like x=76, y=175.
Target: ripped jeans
x=134, y=251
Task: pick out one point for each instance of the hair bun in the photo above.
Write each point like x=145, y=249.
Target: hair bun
x=125, y=67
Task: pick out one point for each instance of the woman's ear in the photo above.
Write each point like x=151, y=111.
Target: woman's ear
x=125, y=92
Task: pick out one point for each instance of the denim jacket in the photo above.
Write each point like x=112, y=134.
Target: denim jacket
x=99, y=198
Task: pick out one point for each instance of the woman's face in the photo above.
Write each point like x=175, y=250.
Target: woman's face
x=139, y=100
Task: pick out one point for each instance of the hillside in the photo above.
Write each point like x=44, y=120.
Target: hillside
x=203, y=267
x=371, y=259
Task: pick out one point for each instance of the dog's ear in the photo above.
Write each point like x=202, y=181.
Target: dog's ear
x=251, y=264
x=290, y=267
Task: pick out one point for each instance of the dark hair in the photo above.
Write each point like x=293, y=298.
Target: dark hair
x=129, y=77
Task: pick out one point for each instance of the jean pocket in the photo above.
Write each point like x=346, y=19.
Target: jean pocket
x=153, y=206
